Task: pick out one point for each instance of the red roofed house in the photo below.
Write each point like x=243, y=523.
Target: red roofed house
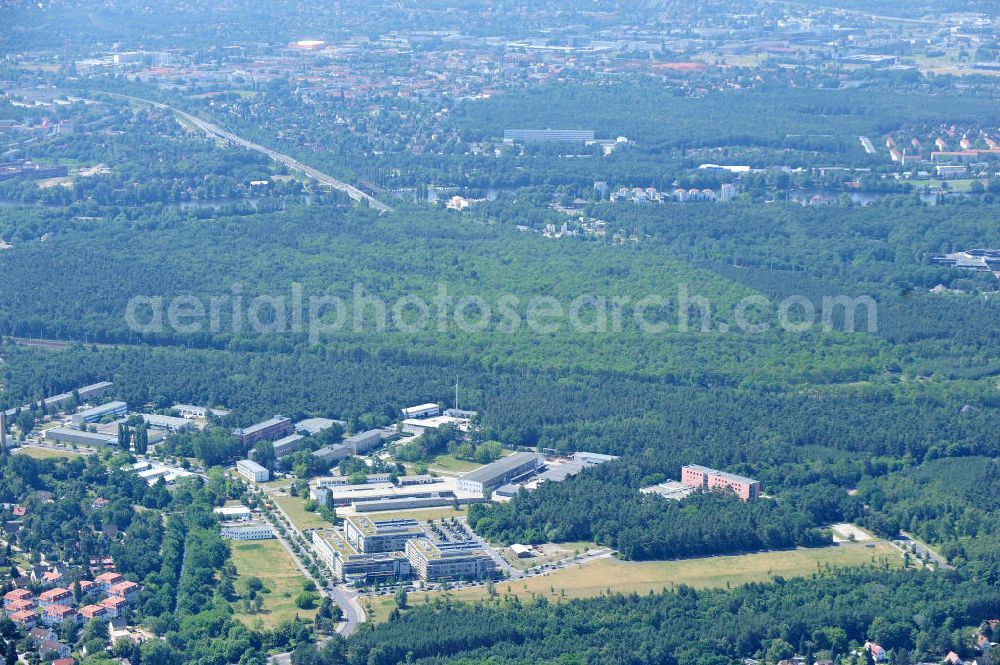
x=115, y=604
x=54, y=614
x=106, y=580
x=64, y=661
x=20, y=511
x=953, y=658
x=93, y=612
x=25, y=619
x=16, y=594
x=19, y=606
x=86, y=586
x=51, y=578
x=126, y=590
x=54, y=596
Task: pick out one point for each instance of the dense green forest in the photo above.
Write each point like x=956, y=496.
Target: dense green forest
x=335, y=253
x=916, y=613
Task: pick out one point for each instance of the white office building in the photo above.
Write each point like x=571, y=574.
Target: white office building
x=421, y=411
x=252, y=471
x=234, y=513
x=250, y=532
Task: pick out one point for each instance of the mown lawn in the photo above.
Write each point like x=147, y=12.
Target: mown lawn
x=294, y=507
x=268, y=560
x=612, y=575
x=46, y=453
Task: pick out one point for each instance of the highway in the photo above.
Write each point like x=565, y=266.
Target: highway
x=292, y=163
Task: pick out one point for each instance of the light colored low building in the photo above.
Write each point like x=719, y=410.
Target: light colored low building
x=166, y=423
x=233, y=513
x=421, y=411
x=193, y=411
x=114, y=409
x=420, y=479
x=248, y=532
x=420, y=425
x=670, y=489
x=347, y=495
x=252, y=471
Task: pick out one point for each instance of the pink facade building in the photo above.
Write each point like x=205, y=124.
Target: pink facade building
x=694, y=475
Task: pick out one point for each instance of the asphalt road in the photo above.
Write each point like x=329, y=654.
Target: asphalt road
x=292, y=163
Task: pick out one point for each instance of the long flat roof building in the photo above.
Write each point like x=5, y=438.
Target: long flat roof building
x=79, y=437
x=93, y=415
x=166, y=423
x=421, y=411
x=86, y=392
x=269, y=429
x=529, y=135
x=501, y=472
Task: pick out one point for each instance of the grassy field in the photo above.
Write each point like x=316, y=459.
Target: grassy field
x=280, y=483
x=268, y=560
x=294, y=507
x=603, y=575
x=955, y=185
x=46, y=453
x=450, y=464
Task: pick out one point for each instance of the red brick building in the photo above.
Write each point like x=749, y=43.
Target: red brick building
x=694, y=475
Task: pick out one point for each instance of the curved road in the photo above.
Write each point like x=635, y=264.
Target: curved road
x=292, y=163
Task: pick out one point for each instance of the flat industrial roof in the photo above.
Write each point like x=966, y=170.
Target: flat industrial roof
x=103, y=408
x=250, y=465
x=256, y=427
x=500, y=467
x=361, y=436
x=317, y=425
x=69, y=431
x=722, y=474
x=170, y=421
